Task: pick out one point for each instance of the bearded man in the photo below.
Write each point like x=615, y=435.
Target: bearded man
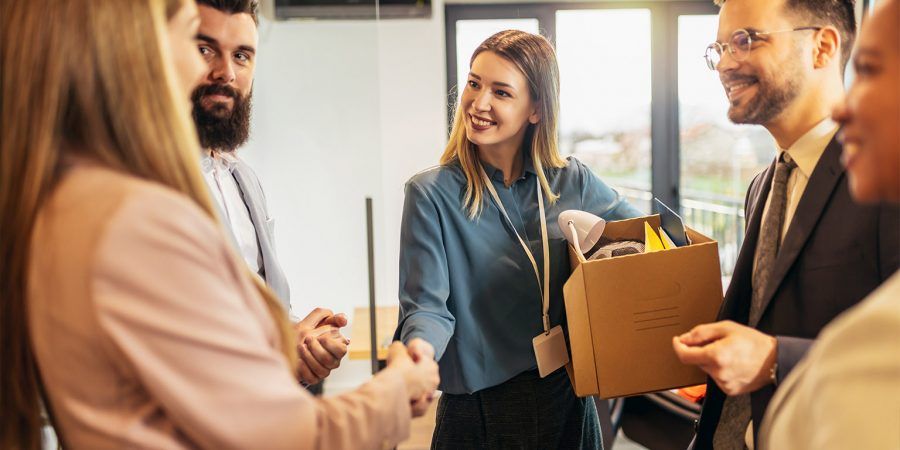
x=227, y=38
x=810, y=251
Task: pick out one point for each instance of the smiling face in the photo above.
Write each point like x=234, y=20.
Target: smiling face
x=497, y=103
x=871, y=112
x=773, y=75
x=222, y=102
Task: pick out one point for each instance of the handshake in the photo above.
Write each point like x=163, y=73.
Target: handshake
x=321, y=346
x=416, y=364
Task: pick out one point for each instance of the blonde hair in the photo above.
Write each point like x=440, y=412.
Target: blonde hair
x=535, y=58
x=92, y=78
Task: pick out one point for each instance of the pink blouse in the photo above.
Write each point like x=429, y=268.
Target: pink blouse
x=148, y=333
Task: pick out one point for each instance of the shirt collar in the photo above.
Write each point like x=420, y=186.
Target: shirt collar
x=210, y=160
x=810, y=147
x=497, y=174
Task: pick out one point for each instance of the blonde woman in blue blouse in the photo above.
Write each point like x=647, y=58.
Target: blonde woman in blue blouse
x=481, y=273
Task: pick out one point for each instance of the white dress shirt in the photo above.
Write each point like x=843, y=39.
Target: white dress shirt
x=806, y=153
x=217, y=170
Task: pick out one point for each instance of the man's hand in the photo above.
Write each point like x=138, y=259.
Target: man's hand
x=738, y=358
x=320, y=344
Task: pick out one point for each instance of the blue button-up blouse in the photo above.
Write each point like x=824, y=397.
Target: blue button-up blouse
x=467, y=286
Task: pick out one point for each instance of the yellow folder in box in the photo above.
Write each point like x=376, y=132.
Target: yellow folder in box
x=666, y=240
x=652, y=243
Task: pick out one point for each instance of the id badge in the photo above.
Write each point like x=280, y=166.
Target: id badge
x=550, y=351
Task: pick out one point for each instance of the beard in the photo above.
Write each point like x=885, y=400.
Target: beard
x=771, y=98
x=218, y=127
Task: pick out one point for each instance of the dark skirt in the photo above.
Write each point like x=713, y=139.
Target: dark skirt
x=526, y=412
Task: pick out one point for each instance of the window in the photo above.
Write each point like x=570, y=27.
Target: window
x=605, y=95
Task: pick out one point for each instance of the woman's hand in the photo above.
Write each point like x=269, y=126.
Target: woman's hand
x=420, y=374
x=420, y=349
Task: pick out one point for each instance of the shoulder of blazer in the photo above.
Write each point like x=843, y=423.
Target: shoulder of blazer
x=753, y=192
x=755, y=186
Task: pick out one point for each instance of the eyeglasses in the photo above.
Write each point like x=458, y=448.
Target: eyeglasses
x=740, y=45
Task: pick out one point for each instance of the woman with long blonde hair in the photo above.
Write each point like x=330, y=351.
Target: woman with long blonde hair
x=481, y=273
x=123, y=306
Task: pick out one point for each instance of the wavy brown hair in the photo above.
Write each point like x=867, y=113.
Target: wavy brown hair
x=85, y=77
x=535, y=58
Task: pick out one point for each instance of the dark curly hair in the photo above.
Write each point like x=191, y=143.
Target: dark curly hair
x=234, y=7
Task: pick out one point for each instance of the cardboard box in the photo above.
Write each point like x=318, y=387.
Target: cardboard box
x=622, y=313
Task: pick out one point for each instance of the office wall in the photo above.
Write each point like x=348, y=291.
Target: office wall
x=344, y=110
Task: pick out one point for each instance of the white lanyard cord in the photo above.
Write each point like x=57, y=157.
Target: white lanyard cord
x=545, y=286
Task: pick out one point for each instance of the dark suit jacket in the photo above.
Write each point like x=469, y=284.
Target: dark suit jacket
x=835, y=253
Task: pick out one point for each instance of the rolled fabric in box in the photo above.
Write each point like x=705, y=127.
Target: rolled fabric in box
x=607, y=248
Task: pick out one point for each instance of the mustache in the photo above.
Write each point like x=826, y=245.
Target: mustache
x=737, y=77
x=215, y=89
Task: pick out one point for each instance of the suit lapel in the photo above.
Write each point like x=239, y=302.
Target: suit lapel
x=818, y=192
x=254, y=199
x=743, y=268
x=259, y=223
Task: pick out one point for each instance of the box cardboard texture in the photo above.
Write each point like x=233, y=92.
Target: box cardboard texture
x=622, y=313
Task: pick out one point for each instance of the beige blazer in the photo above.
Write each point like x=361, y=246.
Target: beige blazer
x=846, y=393
x=147, y=333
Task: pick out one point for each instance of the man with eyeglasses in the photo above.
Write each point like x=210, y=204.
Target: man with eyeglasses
x=809, y=252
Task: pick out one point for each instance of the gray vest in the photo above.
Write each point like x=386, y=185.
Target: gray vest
x=255, y=199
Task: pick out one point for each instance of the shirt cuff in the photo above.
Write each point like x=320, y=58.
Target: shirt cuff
x=790, y=351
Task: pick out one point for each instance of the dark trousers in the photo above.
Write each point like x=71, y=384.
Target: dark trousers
x=526, y=412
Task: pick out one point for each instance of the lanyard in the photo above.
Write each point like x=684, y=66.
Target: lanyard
x=545, y=286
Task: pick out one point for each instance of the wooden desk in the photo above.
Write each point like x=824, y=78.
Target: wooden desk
x=385, y=322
